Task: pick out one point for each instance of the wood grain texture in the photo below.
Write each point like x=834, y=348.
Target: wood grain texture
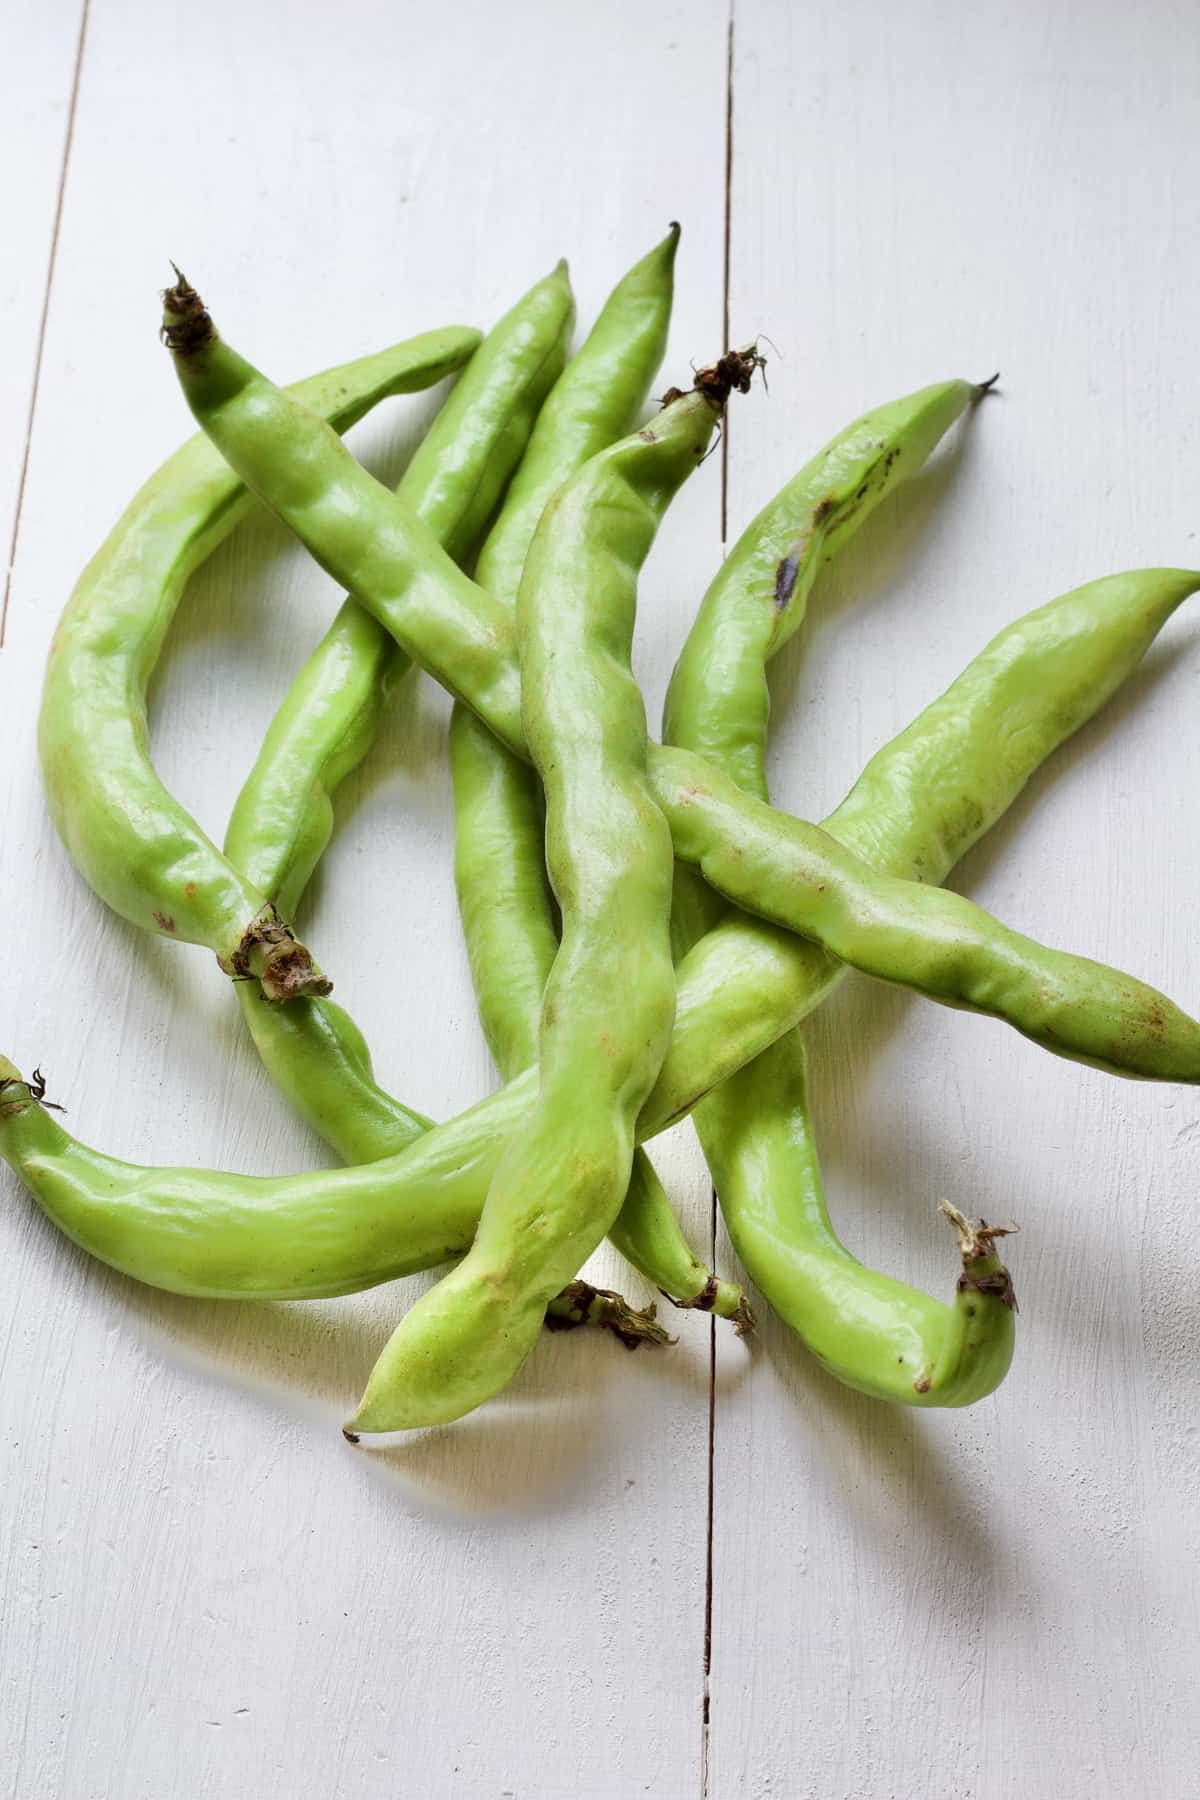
x=207, y=1592
x=204, y=1592
x=1002, y=1602
x=40, y=48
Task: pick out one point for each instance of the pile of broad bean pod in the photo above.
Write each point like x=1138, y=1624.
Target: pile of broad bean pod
x=645, y=931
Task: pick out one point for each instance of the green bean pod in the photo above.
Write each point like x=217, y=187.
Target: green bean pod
x=743, y=986
x=504, y=898
x=609, y=1002
x=930, y=940
x=276, y=1239
x=870, y=1331
x=873, y=1333
x=132, y=842
x=362, y=533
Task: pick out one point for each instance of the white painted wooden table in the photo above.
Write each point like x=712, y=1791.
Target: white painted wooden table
x=715, y=1572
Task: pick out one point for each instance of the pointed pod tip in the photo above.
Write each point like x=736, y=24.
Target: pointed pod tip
x=988, y=386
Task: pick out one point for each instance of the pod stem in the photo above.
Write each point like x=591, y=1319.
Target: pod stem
x=186, y=325
x=724, y=1298
x=580, y=1303
x=16, y=1094
x=270, y=953
x=982, y=1270
x=33, y=1091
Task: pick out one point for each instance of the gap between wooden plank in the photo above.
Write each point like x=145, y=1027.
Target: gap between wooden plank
x=706, y=1701
x=68, y=139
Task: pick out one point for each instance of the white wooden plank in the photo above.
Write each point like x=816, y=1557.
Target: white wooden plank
x=1001, y=1602
x=208, y=1593
x=38, y=53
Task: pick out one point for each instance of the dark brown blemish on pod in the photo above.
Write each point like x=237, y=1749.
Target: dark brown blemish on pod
x=164, y=921
x=706, y=1299
x=785, y=580
x=998, y=1285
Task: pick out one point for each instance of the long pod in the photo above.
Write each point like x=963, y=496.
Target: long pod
x=874, y=1333
x=362, y=533
x=129, y=838
x=609, y=1002
x=217, y=1236
x=930, y=940
x=921, y=802
x=505, y=903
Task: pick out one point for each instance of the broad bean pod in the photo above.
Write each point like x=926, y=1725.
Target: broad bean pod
x=136, y=847
x=261, y=1240
x=743, y=986
x=930, y=940
x=504, y=900
x=872, y=1332
x=609, y=1001
x=362, y=533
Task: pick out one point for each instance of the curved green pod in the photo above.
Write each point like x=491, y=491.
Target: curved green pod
x=872, y=1332
x=742, y=987
x=277, y=1239
x=928, y=939
x=504, y=898
x=609, y=1001
x=130, y=840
